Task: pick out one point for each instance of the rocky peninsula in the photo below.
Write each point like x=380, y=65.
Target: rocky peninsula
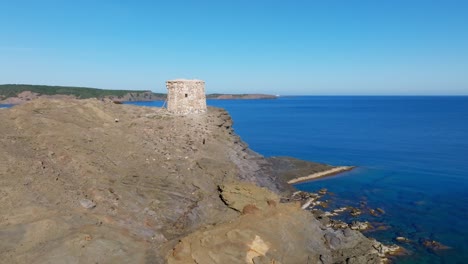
x=91, y=181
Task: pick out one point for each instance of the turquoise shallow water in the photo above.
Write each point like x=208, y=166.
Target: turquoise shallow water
x=412, y=154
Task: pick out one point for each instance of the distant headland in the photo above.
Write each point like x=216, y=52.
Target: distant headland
x=21, y=93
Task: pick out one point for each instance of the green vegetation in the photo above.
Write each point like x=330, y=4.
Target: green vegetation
x=12, y=90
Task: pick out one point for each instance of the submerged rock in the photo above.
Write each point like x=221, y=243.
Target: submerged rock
x=322, y=191
x=355, y=212
x=402, y=239
x=380, y=210
x=340, y=210
x=434, y=245
x=373, y=212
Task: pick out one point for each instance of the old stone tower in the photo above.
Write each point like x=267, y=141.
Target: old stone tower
x=186, y=96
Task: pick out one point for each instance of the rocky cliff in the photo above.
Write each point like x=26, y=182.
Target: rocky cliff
x=87, y=181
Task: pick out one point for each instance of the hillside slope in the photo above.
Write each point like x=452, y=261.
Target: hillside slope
x=20, y=93
x=86, y=181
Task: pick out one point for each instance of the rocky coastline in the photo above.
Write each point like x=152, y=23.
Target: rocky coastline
x=91, y=181
x=20, y=94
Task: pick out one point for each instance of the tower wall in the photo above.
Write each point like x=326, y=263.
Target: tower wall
x=186, y=96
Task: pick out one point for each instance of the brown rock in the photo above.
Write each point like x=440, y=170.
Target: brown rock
x=271, y=203
x=402, y=239
x=250, y=209
x=249, y=239
x=238, y=195
x=434, y=245
x=355, y=212
x=380, y=210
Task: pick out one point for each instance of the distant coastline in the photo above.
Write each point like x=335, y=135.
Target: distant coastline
x=22, y=93
x=240, y=96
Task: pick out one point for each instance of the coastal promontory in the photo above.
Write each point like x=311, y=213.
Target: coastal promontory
x=91, y=181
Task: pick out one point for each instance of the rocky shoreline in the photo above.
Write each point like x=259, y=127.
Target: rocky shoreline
x=92, y=181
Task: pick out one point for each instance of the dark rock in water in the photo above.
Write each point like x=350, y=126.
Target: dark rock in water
x=402, y=239
x=373, y=212
x=376, y=212
x=378, y=226
x=322, y=191
x=433, y=245
x=355, y=212
x=340, y=210
x=323, y=204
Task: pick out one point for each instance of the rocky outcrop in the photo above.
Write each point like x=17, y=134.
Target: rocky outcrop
x=240, y=195
x=86, y=181
x=273, y=233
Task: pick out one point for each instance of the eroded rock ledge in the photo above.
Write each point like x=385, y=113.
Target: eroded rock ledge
x=86, y=181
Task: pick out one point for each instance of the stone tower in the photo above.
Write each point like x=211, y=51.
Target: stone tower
x=186, y=96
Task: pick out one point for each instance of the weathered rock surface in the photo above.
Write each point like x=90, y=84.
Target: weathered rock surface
x=276, y=233
x=238, y=195
x=78, y=187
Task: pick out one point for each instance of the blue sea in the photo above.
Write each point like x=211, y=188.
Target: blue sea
x=411, y=153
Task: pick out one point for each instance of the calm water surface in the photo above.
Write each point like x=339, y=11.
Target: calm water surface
x=412, y=154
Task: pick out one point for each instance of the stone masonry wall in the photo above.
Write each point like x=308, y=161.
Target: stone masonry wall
x=186, y=96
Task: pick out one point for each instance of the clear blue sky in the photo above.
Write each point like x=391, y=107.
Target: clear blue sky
x=239, y=46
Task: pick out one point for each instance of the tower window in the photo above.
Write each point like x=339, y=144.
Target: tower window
x=186, y=95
